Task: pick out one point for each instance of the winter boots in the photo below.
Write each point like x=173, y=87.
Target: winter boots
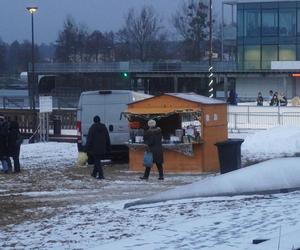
x=147, y=173
x=97, y=169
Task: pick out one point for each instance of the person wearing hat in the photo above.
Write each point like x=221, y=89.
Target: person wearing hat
x=152, y=138
x=3, y=143
x=98, y=145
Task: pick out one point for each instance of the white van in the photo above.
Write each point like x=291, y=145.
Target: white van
x=109, y=105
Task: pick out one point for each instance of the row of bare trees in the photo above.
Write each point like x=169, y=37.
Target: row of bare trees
x=142, y=37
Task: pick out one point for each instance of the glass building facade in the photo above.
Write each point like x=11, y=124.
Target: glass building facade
x=267, y=31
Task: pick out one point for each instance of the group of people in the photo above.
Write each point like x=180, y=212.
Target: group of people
x=10, y=144
x=275, y=99
x=98, y=146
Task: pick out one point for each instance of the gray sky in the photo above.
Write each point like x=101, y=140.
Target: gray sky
x=104, y=15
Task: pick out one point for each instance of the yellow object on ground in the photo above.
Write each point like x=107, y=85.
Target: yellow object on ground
x=82, y=158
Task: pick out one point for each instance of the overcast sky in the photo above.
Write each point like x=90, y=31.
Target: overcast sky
x=104, y=15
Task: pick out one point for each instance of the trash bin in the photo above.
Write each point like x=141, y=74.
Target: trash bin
x=229, y=154
x=56, y=126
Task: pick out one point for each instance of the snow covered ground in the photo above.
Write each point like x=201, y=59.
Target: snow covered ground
x=64, y=208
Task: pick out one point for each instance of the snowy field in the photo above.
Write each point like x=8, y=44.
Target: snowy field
x=53, y=204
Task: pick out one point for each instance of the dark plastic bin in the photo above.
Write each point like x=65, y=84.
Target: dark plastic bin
x=57, y=126
x=229, y=155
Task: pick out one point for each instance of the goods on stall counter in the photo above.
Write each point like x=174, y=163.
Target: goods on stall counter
x=136, y=135
x=179, y=133
x=139, y=139
x=174, y=139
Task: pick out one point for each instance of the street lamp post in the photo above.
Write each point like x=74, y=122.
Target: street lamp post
x=32, y=10
x=210, y=54
x=32, y=89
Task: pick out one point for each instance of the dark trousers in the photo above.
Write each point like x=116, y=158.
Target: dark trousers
x=15, y=156
x=98, y=167
x=159, y=168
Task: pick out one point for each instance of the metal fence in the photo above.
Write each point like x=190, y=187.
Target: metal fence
x=252, y=117
x=133, y=67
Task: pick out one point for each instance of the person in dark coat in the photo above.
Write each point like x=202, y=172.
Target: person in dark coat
x=3, y=143
x=152, y=138
x=232, y=99
x=14, y=145
x=259, y=99
x=274, y=101
x=98, y=145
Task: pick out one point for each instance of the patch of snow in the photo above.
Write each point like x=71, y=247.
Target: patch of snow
x=272, y=143
x=272, y=175
x=49, y=154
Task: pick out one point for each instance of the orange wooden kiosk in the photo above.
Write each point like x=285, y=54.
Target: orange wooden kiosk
x=202, y=119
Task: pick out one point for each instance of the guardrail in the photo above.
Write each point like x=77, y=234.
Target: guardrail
x=252, y=117
x=133, y=67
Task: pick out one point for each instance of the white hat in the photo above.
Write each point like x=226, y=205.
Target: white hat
x=151, y=123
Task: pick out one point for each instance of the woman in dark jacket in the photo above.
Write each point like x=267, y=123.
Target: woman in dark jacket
x=14, y=144
x=152, y=138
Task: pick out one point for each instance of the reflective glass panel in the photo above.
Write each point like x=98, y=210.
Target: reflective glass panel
x=287, y=52
x=298, y=21
x=240, y=23
x=240, y=56
x=269, y=22
x=252, y=22
x=287, y=22
x=252, y=57
x=268, y=53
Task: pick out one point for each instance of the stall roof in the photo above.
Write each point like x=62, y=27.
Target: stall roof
x=162, y=109
x=166, y=111
x=196, y=98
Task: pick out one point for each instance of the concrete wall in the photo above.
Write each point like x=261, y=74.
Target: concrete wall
x=248, y=87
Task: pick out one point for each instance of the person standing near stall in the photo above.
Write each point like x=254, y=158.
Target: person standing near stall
x=15, y=140
x=98, y=145
x=3, y=143
x=152, y=138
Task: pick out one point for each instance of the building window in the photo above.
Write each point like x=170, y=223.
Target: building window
x=240, y=57
x=269, y=22
x=240, y=23
x=268, y=53
x=298, y=21
x=298, y=52
x=287, y=52
x=252, y=57
x=287, y=22
x=252, y=22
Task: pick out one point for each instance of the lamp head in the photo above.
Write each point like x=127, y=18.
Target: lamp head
x=32, y=10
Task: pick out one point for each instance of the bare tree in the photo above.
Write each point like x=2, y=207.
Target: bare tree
x=191, y=23
x=100, y=46
x=81, y=41
x=66, y=41
x=3, y=56
x=140, y=30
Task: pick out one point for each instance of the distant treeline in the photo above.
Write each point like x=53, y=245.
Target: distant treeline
x=141, y=38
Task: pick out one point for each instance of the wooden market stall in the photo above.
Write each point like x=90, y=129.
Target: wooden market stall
x=191, y=124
